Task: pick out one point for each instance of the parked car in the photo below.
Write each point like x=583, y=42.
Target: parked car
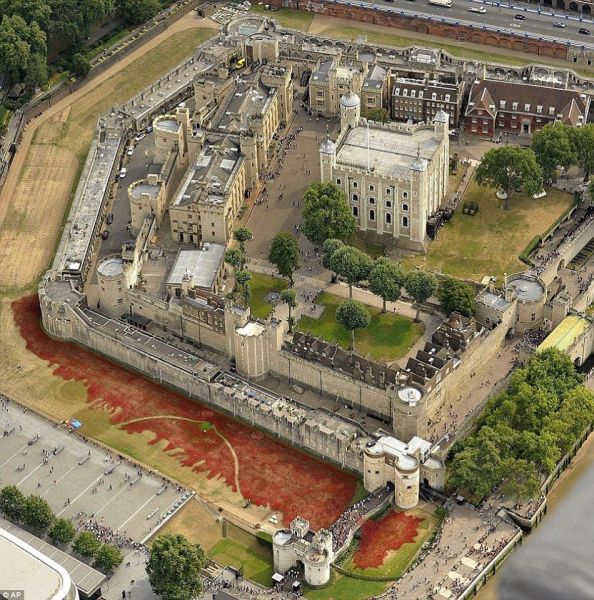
x=105, y=234
x=123, y=172
x=140, y=136
x=478, y=9
x=584, y=31
x=130, y=151
x=149, y=128
x=520, y=17
x=559, y=24
x=110, y=218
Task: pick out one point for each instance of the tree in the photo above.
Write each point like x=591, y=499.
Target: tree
x=583, y=142
x=456, y=295
x=326, y=214
x=328, y=249
x=108, y=557
x=62, y=531
x=12, y=502
x=353, y=315
x=379, y=115
x=81, y=65
x=242, y=235
x=174, y=567
x=284, y=254
x=242, y=279
x=508, y=168
x=29, y=10
x=76, y=17
x=521, y=479
x=138, y=11
x=236, y=258
x=86, y=544
x=37, y=513
x=350, y=263
x=36, y=72
x=288, y=296
x=386, y=280
x=420, y=286
x=553, y=147
x=14, y=50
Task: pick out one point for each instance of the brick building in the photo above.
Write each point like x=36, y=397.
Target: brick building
x=522, y=108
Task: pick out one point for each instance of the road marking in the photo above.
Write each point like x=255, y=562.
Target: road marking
x=136, y=512
x=15, y=454
x=83, y=492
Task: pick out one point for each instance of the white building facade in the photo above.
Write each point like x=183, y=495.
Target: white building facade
x=394, y=175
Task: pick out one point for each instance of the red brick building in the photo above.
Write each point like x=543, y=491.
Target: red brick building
x=495, y=106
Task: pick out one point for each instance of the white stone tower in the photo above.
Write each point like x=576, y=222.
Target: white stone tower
x=350, y=110
x=327, y=159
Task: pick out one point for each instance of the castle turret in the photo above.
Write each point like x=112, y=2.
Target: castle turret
x=350, y=110
x=327, y=159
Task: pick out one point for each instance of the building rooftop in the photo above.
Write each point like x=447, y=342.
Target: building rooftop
x=526, y=289
x=138, y=188
x=167, y=124
x=566, y=333
x=389, y=151
x=111, y=266
x=248, y=100
x=201, y=265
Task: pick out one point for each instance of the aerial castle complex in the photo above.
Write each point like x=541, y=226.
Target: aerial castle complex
x=152, y=295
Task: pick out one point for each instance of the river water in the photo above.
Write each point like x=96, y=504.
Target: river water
x=556, y=562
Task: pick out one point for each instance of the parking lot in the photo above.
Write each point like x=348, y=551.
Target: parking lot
x=82, y=481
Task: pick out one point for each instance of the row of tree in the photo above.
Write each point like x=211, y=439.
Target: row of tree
x=28, y=26
x=34, y=512
x=523, y=432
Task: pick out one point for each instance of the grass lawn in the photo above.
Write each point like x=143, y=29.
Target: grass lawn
x=388, y=337
x=261, y=285
x=490, y=242
x=342, y=587
x=255, y=561
x=287, y=17
x=5, y=115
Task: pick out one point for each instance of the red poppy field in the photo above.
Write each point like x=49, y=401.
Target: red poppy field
x=266, y=471
x=379, y=538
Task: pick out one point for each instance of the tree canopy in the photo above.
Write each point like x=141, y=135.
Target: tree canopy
x=86, y=544
x=328, y=249
x=351, y=264
x=326, y=214
x=284, y=254
x=62, y=531
x=553, y=147
x=420, y=286
x=386, y=280
x=509, y=168
x=136, y=12
x=12, y=502
x=524, y=431
x=174, y=567
x=456, y=295
x=289, y=297
x=37, y=513
x=353, y=315
x=108, y=558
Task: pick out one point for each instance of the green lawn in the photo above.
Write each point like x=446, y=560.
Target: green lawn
x=342, y=587
x=374, y=250
x=490, y=242
x=256, y=562
x=287, y=17
x=261, y=285
x=388, y=337
x=5, y=115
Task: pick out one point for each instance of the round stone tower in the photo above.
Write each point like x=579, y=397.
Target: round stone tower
x=406, y=482
x=373, y=467
x=112, y=286
x=350, y=110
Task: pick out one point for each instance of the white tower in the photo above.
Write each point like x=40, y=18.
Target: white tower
x=350, y=110
x=327, y=159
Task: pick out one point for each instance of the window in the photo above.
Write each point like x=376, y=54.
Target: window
x=539, y=110
x=371, y=214
x=502, y=103
x=388, y=191
x=526, y=107
x=551, y=110
x=433, y=96
x=405, y=92
x=371, y=200
x=355, y=198
x=371, y=188
x=404, y=221
x=355, y=211
x=355, y=184
x=405, y=195
x=388, y=218
x=388, y=203
x=420, y=93
x=338, y=181
x=405, y=207
x=413, y=93
x=514, y=106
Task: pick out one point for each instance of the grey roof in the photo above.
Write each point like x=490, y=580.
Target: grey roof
x=441, y=116
x=328, y=146
x=201, y=265
x=350, y=100
x=526, y=289
x=375, y=78
x=138, y=188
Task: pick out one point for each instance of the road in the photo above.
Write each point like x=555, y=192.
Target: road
x=499, y=16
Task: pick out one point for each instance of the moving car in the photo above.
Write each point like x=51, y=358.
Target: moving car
x=123, y=172
x=478, y=9
x=130, y=151
x=446, y=3
x=140, y=136
x=520, y=17
x=584, y=31
x=559, y=24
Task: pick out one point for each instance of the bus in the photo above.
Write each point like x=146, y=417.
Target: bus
x=446, y=3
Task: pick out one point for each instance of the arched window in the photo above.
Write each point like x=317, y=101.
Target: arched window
x=405, y=195
x=372, y=215
x=355, y=198
x=371, y=200
x=355, y=211
x=405, y=208
x=404, y=221
x=371, y=188
x=388, y=218
x=388, y=191
x=354, y=184
x=338, y=181
x=388, y=203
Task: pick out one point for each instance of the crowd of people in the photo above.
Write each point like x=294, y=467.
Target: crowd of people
x=286, y=143
x=106, y=535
